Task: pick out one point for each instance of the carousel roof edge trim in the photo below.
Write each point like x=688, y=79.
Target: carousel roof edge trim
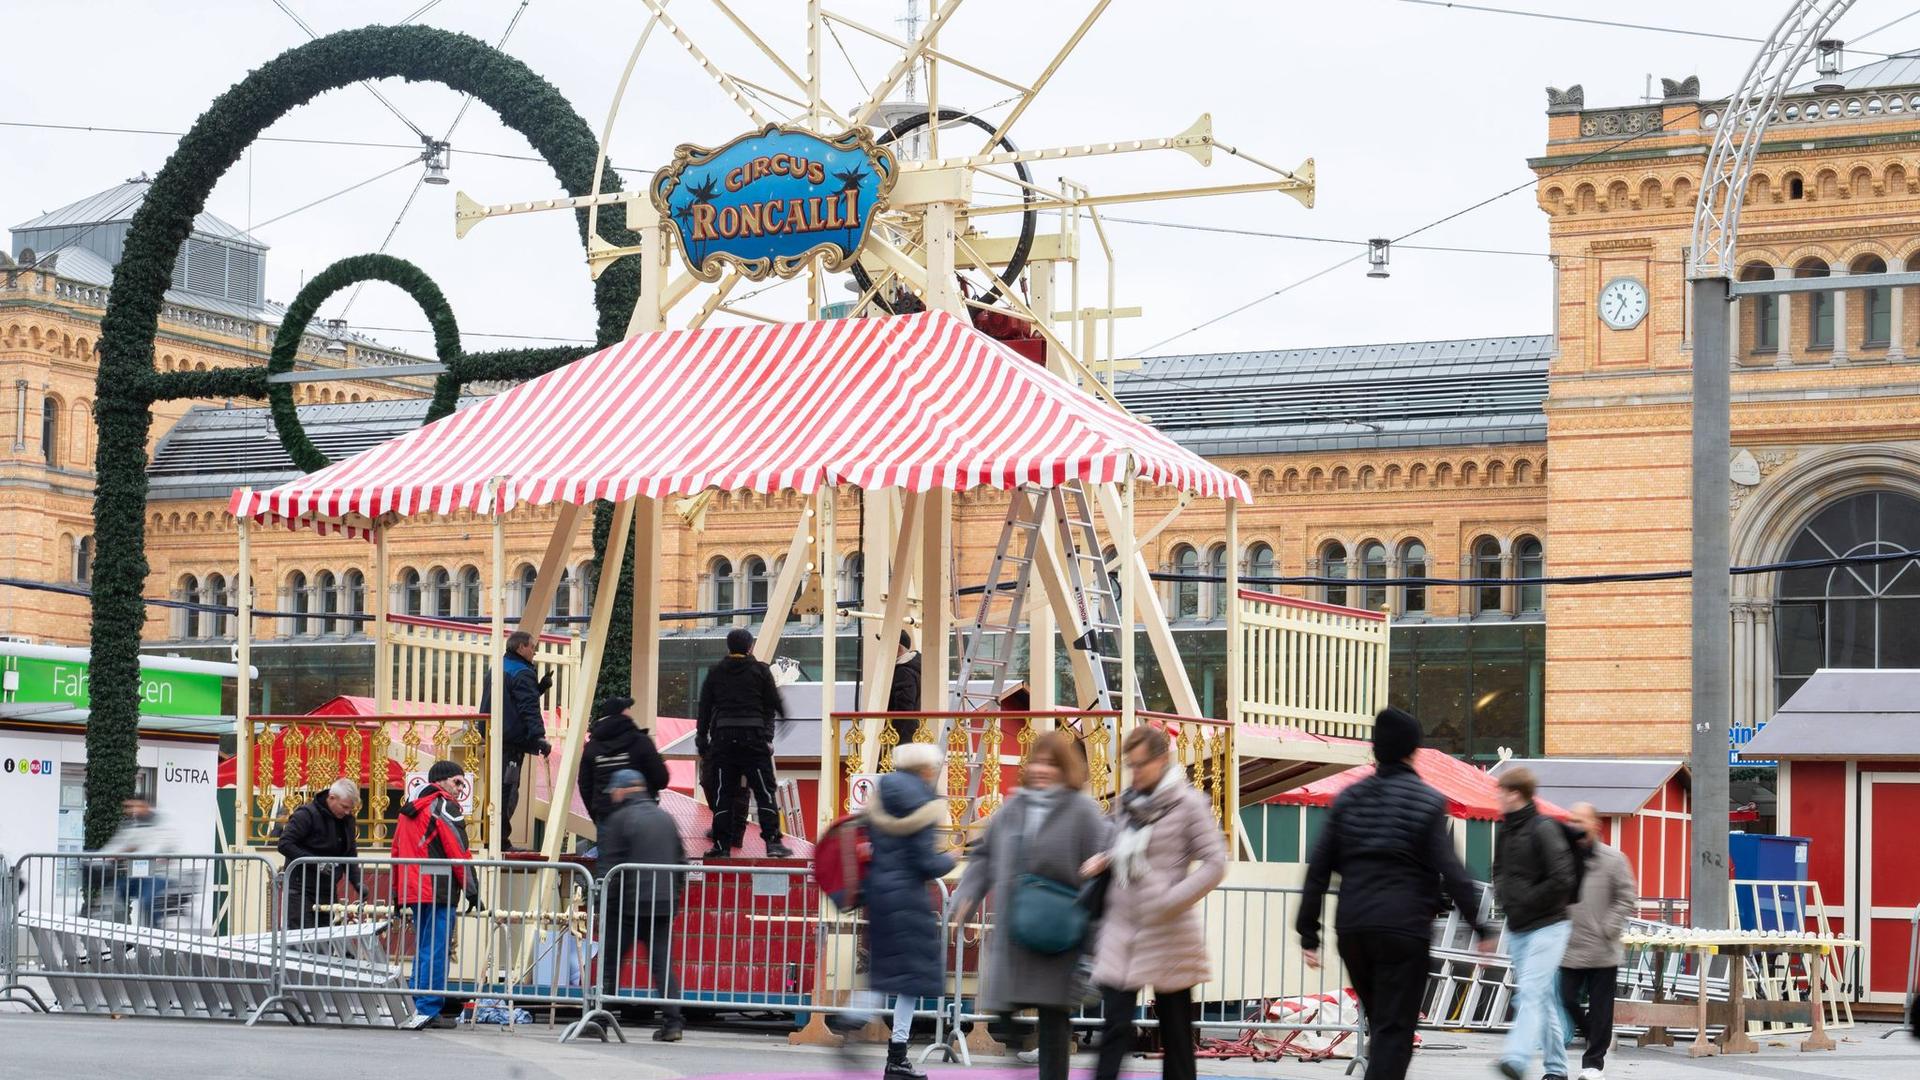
x=919, y=402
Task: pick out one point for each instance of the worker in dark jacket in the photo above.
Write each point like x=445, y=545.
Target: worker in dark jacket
x=1533, y=878
x=903, y=695
x=738, y=707
x=321, y=829
x=525, y=730
x=640, y=903
x=615, y=743
x=1387, y=838
x=904, y=931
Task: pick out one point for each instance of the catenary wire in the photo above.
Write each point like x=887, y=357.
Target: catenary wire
x=357, y=143
x=327, y=198
x=371, y=89
x=1611, y=24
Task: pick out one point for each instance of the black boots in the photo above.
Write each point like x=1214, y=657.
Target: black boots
x=898, y=1067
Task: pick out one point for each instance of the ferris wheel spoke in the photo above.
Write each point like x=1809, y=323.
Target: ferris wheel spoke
x=1046, y=76
x=732, y=89
x=911, y=57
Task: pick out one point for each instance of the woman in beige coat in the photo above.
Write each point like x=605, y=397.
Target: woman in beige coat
x=1168, y=853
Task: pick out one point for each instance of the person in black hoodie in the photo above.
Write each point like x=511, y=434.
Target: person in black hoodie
x=903, y=695
x=322, y=828
x=615, y=743
x=1387, y=838
x=738, y=707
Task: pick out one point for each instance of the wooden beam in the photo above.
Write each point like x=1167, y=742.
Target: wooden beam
x=645, y=678
x=565, y=528
x=376, y=590
x=243, y=689
x=586, y=680
x=497, y=674
x=936, y=600
x=1149, y=611
x=885, y=642
x=785, y=588
x=826, y=545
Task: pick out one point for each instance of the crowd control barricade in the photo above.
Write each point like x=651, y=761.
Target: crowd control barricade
x=1264, y=1002
x=734, y=939
x=11, y=988
x=369, y=942
x=175, y=935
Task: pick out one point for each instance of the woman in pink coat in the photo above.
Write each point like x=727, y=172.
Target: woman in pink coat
x=1168, y=853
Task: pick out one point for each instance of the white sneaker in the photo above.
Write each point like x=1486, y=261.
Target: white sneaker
x=1592, y=1074
x=1031, y=1057
x=416, y=1022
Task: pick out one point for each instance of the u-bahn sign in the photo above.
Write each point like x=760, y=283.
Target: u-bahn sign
x=768, y=202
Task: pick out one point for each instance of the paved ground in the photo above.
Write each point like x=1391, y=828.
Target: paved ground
x=36, y=1046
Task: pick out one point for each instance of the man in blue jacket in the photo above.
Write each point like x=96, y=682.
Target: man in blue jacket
x=525, y=732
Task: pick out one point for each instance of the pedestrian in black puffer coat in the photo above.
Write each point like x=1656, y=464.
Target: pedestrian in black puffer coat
x=614, y=743
x=903, y=925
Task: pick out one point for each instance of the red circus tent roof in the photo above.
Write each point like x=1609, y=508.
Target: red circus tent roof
x=919, y=401
x=1471, y=792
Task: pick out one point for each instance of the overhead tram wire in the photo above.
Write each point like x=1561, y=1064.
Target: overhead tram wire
x=358, y=143
x=328, y=198
x=1614, y=24
x=371, y=89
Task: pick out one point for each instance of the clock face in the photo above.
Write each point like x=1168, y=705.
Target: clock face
x=1623, y=303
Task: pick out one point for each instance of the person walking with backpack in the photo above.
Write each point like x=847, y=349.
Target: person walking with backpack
x=1534, y=879
x=525, y=731
x=1387, y=838
x=1044, y=833
x=432, y=826
x=1167, y=855
x=615, y=742
x=1608, y=898
x=903, y=935
x=641, y=905
x=738, y=707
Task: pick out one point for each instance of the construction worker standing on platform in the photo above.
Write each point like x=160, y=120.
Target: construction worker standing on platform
x=738, y=707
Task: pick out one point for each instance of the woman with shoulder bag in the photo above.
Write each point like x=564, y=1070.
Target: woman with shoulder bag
x=1166, y=857
x=1029, y=863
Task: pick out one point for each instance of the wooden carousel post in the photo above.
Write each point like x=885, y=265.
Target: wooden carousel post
x=382, y=649
x=1234, y=661
x=1129, y=678
x=645, y=679
x=826, y=556
x=243, y=777
x=497, y=673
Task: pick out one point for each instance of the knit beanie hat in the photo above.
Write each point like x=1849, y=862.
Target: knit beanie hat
x=444, y=770
x=613, y=706
x=739, y=641
x=1396, y=735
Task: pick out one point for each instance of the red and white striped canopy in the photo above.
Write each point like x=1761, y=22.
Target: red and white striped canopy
x=914, y=401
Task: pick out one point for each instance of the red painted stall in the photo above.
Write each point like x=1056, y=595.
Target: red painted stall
x=1646, y=809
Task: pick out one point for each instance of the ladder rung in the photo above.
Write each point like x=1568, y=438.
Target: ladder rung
x=1079, y=523
x=991, y=661
x=1011, y=557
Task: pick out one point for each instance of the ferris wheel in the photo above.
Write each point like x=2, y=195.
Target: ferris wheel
x=924, y=201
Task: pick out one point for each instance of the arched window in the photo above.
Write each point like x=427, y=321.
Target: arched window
x=190, y=620
x=754, y=569
x=469, y=590
x=1373, y=567
x=525, y=579
x=1531, y=559
x=563, y=595
x=1864, y=615
x=1186, y=593
x=50, y=429
x=853, y=577
x=1766, y=311
x=353, y=590
x=1819, y=306
x=719, y=587
x=412, y=598
x=1876, y=305
x=1260, y=565
x=216, y=595
x=439, y=602
x=1333, y=564
x=1217, y=567
x=83, y=560
x=1487, y=567
x=1413, y=564
x=327, y=590
x=299, y=602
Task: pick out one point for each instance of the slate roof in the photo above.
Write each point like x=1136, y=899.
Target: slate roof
x=211, y=451
x=1849, y=713
x=118, y=203
x=1477, y=391
x=1899, y=70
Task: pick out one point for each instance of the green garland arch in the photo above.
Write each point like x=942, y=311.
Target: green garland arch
x=349, y=271
x=129, y=386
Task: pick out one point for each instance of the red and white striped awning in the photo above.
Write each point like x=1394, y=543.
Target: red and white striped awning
x=914, y=401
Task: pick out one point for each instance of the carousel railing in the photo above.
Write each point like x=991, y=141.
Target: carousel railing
x=445, y=664
x=296, y=757
x=985, y=751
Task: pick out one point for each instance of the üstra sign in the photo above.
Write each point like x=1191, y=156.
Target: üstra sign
x=768, y=203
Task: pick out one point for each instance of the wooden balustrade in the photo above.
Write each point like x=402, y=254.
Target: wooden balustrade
x=1316, y=667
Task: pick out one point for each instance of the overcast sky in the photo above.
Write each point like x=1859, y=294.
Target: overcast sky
x=1411, y=112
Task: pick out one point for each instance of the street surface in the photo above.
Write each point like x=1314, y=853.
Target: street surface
x=39, y=1046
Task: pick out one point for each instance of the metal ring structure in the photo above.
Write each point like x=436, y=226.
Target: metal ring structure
x=1028, y=218
x=1743, y=124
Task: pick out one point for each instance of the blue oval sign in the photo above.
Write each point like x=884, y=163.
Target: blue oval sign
x=767, y=203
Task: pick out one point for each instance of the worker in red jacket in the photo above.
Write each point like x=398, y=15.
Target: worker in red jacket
x=432, y=826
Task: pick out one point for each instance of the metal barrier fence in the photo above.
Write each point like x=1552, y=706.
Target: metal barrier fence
x=148, y=935
x=1262, y=992
x=377, y=941
x=758, y=938
x=12, y=989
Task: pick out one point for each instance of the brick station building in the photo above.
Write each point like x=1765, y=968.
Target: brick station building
x=1563, y=452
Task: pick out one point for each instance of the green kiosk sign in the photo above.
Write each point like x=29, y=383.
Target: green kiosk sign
x=65, y=682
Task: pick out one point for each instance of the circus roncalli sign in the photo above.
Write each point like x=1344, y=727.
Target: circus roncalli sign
x=768, y=202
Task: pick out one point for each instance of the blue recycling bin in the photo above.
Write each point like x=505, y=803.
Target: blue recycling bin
x=1763, y=858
